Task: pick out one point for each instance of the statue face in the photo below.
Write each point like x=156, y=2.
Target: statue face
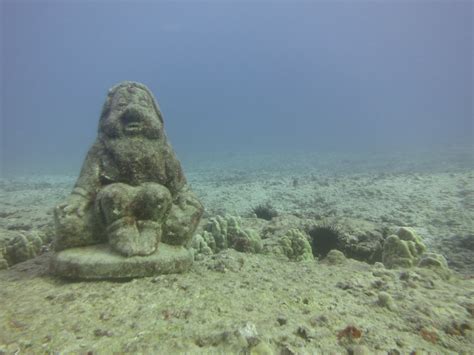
x=132, y=113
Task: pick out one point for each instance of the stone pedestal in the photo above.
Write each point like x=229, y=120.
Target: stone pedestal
x=98, y=262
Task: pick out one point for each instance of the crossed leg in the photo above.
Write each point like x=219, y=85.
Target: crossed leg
x=133, y=216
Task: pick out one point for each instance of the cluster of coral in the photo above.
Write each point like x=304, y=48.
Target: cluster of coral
x=401, y=248
x=405, y=249
x=226, y=232
x=18, y=246
x=222, y=232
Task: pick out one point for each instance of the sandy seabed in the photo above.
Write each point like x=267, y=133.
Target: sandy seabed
x=235, y=302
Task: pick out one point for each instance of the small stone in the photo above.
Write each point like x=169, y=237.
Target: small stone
x=379, y=265
x=359, y=350
x=102, y=333
x=385, y=300
x=335, y=257
x=184, y=287
x=104, y=316
x=320, y=320
x=304, y=333
x=345, y=285
x=249, y=333
x=404, y=276
x=378, y=284
x=262, y=348
x=156, y=279
x=399, y=342
x=287, y=350
x=469, y=308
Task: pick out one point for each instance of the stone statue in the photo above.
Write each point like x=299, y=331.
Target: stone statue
x=131, y=193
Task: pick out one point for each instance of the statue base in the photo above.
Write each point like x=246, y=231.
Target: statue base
x=98, y=262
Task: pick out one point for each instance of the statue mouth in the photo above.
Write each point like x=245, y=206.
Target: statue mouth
x=133, y=127
x=132, y=121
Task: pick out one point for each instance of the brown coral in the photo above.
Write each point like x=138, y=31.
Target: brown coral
x=429, y=335
x=350, y=332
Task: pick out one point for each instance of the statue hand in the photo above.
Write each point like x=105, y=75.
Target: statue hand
x=75, y=204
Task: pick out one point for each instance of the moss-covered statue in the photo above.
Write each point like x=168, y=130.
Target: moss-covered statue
x=131, y=192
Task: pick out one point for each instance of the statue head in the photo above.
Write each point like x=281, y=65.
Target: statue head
x=130, y=110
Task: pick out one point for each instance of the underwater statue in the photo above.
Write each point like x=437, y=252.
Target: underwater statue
x=131, y=199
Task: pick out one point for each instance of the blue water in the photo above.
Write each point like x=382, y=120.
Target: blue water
x=238, y=77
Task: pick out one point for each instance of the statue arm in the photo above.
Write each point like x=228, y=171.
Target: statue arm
x=88, y=182
x=86, y=186
x=174, y=173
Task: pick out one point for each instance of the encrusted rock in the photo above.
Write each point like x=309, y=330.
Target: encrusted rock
x=335, y=257
x=385, y=300
x=437, y=263
x=402, y=249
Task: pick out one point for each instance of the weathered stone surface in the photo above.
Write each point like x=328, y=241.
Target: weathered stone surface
x=131, y=192
x=101, y=262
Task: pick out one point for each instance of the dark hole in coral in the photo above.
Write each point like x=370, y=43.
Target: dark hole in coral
x=265, y=211
x=323, y=240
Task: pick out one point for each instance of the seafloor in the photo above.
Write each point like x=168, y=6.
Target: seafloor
x=233, y=302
